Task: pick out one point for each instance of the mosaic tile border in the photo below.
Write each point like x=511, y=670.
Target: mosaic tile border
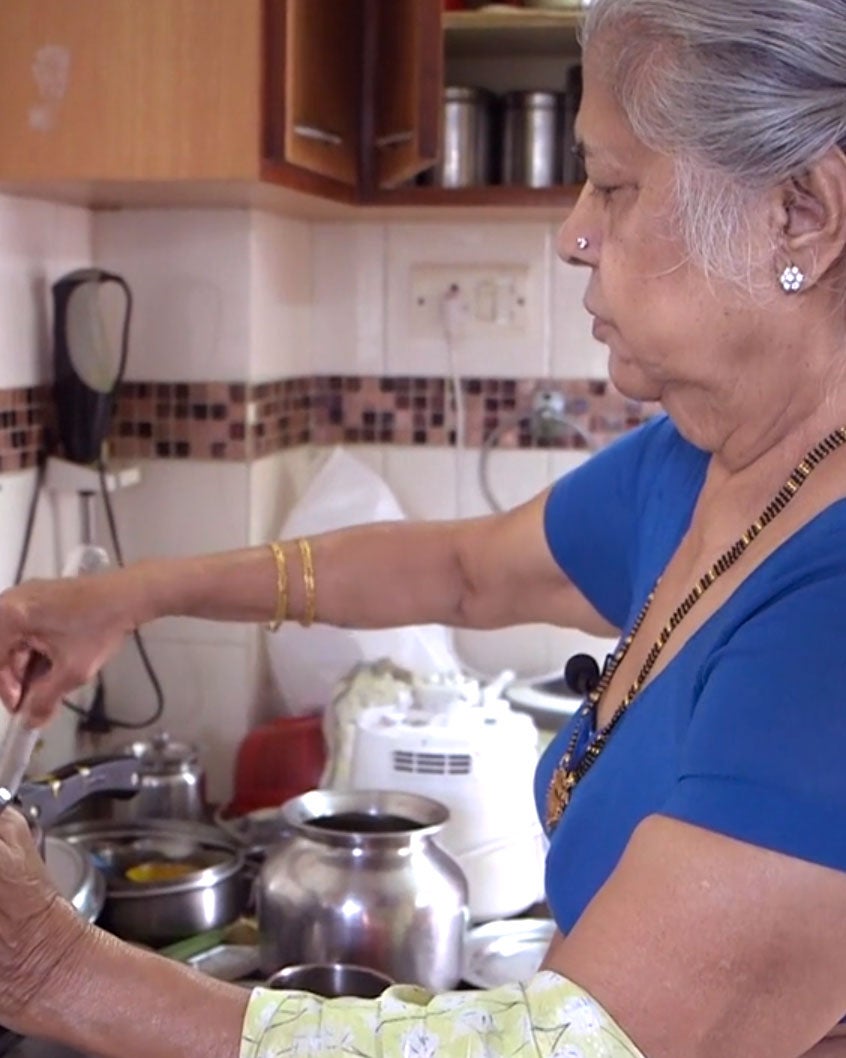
x=234, y=421
x=25, y=415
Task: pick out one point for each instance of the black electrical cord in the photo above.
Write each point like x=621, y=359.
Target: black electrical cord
x=132, y=725
x=41, y=470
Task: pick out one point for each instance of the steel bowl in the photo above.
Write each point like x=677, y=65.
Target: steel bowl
x=331, y=980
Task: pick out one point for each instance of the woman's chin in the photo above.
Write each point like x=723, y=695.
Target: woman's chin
x=630, y=380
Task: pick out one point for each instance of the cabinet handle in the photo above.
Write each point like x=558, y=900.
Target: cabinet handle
x=394, y=139
x=312, y=133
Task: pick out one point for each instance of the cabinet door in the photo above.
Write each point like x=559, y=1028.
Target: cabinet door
x=404, y=65
x=130, y=89
x=313, y=88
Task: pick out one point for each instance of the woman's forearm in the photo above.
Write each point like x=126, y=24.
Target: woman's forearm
x=372, y=576
x=119, y=1001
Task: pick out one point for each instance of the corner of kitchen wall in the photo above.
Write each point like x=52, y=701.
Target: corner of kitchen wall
x=280, y=298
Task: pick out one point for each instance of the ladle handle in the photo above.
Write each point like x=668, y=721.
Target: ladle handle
x=19, y=739
x=15, y=752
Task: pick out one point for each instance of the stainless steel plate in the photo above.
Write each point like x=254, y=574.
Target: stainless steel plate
x=506, y=951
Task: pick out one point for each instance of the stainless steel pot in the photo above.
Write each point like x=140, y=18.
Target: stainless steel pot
x=165, y=880
x=360, y=880
x=75, y=876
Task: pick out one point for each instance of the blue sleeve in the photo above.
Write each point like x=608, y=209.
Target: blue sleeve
x=764, y=759
x=594, y=517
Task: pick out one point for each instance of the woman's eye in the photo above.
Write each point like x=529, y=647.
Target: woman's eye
x=605, y=192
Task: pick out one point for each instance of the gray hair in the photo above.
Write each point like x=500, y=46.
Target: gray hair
x=744, y=93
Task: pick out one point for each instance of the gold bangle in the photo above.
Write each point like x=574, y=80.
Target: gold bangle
x=310, y=605
x=281, y=586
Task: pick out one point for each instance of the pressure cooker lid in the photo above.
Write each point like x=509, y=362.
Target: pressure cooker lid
x=162, y=754
x=75, y=876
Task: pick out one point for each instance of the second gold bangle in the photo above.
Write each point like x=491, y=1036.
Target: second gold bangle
x=310, y=606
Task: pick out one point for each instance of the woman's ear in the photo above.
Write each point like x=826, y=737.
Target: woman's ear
x=812, y=216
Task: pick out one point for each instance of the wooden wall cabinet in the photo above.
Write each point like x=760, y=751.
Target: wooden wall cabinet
x=125, y=90
x=316, y=107
x=334, y=97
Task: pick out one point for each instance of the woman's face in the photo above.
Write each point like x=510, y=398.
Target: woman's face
x=702, y=347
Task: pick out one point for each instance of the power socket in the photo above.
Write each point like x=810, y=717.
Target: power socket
x=485, y=301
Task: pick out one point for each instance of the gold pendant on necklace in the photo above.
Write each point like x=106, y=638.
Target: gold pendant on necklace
x=558, y=796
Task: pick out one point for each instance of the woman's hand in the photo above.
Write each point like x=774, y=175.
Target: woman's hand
x=38, y=929
x=75, y=624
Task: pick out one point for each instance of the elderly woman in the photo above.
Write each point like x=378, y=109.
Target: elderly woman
x=696, y=804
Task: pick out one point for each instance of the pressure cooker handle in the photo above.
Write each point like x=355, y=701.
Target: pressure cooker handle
x=45, y=800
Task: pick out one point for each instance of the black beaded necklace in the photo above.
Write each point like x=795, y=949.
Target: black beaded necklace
x=570, y=771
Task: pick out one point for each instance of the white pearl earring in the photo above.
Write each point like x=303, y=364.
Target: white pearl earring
x=791, y=279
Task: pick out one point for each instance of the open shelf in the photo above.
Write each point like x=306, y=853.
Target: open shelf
x=498, y=29
x=499, y=47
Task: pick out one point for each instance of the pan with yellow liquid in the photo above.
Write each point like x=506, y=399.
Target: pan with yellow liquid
x=165, y=879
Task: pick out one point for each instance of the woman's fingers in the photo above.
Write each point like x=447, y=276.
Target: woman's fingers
x=41, y=689
x=10, y=689
x=73, y=623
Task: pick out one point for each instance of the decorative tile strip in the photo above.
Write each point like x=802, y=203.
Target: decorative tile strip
x=235, y=421
x=25, y=414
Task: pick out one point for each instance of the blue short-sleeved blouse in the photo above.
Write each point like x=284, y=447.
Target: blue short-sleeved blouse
x=744, y=732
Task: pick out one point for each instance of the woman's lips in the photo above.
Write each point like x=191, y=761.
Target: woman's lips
x=599, y=329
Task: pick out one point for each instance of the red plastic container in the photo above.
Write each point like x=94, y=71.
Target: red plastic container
x=277, y=761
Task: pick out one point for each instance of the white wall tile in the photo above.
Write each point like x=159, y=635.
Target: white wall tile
x=39, y=241
x=574, y=351
x=276, y=483
x=424, y=480
x=57, y=527
x=189, y=271
x=349, y=299
x=184, y=508
x=468, y=244
x=206, y=699
x=281, y=284
x=514, y=476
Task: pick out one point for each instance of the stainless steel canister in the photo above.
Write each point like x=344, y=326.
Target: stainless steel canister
x=172, y=782
x=532, y=148
x=466, y=157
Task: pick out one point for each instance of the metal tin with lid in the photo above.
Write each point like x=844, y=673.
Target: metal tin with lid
x=532, y=139
x=172, y=781
x=465, y=156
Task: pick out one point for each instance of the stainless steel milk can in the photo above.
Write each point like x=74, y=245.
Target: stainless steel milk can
x=361, y=880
